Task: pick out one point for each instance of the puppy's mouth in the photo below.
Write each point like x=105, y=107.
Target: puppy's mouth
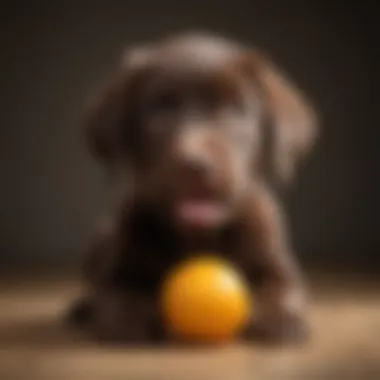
x=200, y=212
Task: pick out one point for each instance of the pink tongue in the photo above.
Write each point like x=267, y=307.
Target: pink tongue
x=203, y=212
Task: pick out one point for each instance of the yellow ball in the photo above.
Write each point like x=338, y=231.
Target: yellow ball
x=205, y=299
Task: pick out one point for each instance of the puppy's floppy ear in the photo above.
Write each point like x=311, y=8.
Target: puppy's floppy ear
x=104, y=115
x=107, y=113
x=290, y=118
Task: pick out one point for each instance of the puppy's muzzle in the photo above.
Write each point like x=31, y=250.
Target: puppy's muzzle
x=194, y=157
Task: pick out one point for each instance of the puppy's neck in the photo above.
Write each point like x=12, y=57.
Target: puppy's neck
x=199, y=240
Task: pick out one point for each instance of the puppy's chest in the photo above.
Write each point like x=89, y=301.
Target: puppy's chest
x=153, y=249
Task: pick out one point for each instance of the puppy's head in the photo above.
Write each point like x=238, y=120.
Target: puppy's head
x=191, y=116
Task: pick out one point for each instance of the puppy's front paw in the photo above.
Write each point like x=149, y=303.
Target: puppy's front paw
x=120, y=334
x=278, y=328
x=127, y=319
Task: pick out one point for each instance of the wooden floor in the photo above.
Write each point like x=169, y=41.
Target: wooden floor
x=345, y=316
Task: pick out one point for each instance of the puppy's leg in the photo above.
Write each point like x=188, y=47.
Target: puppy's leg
x=123, y=316
x=118, y=313
x=99, y=263
x=278, y=291
x=80, y=312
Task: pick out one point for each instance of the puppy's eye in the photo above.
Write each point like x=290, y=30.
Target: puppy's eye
x=165, y=102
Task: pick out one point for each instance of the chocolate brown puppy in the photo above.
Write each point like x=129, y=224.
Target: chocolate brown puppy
x=192, y=130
